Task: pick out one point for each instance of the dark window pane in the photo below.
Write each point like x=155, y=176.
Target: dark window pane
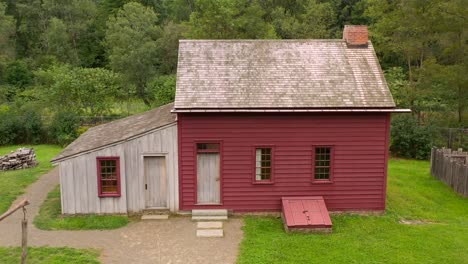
x=108, y=176
x=208, y=146
x=322, y=163
x=263, y=163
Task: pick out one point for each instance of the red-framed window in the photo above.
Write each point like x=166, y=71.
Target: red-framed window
x=263, y=164
x=108, y=174
x=323, y=163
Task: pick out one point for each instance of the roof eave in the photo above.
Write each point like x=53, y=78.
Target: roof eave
x=291, y=110
x=56, y=160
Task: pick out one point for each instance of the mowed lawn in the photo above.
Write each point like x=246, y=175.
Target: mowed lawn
x=50, y=217
x=13, y=183
x=47, y=255
x=412, y=195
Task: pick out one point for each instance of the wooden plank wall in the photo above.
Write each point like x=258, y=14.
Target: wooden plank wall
x=78, y=175
x=451, y=167
x=359, y=168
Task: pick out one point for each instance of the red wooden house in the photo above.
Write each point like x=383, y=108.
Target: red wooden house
x=259, y=120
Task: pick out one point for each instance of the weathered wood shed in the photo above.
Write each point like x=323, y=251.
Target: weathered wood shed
x=123, y=166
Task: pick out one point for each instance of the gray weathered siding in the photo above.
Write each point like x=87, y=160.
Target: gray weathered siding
x=78, y=175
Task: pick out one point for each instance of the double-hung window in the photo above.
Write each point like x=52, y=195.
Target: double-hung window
x=322, y=163
x=263, y=164
x=108, y=170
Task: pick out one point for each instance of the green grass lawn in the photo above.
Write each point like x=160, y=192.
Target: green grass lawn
x=13, y=183
x=50, y=218
x=412, y=194
x=47, y=255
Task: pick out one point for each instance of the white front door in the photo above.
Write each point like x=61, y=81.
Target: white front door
x=208, y=181
x=155, y=182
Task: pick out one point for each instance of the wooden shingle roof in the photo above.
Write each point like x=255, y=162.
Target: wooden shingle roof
x=119, y=131
x=279, y=74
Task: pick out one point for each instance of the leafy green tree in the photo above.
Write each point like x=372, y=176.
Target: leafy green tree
x=80, y=90
x=428, y=39
x=57, y=42
x=350, y=12
x=168, y=47
x=450, y=83
x=78, y=18
x=229, y=19
x=179, y=10
x=20, y=125
x=409, y=139
x=32, y=23
x=64, y=127
x=162, y=89
x=314, y=20
x=7, y=35
x=17, y=77
x=132, y=48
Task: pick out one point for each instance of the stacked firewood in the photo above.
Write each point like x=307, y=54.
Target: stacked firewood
x=21, y=158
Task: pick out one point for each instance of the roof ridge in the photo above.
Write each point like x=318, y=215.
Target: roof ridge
x=261, y=40
x=131, y=116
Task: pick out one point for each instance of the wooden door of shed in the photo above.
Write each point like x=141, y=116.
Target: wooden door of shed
x=208, y=178
x=155, y=182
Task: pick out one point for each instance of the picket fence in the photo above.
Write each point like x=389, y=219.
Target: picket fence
x=451, y=167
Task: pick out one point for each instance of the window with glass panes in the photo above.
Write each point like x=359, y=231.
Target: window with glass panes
x=108, y=176
x=263, y=170
x=322, y=163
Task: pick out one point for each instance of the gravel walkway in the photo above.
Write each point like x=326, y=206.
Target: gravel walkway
x=166, y=241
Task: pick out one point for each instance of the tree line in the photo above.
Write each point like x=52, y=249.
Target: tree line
x=117, y=57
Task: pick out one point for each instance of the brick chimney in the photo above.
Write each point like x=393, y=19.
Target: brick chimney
x=355, y=36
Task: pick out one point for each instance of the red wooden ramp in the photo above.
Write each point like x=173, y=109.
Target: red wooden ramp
x=306, y=214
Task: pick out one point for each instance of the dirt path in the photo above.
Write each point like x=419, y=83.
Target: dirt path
x=167, y=241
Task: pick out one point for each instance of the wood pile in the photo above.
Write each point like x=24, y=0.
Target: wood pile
x=21, y=158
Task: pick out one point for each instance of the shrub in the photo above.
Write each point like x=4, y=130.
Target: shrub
x=64, y=127
x=409, y=139
x=32, y=129
x=8, y=128
x=20, y=126
x=162, y=89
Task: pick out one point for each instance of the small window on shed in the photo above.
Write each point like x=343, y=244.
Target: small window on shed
x=108, y=169
x=322, y=165
x=263, y=164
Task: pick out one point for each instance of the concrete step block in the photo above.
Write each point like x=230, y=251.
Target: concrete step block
x=209, y=225
x=210, y=212
x=154, y=217
x=210, y=218
x=210, y=233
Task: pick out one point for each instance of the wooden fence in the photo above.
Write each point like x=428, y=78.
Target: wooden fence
x=24, y=227
x=451, y=167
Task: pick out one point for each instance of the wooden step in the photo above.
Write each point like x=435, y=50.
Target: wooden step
x=156, y=211
x=210, y=233
x=209, y=225
x=155, y=217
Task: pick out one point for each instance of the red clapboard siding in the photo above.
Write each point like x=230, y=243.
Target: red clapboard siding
x=359, y=141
